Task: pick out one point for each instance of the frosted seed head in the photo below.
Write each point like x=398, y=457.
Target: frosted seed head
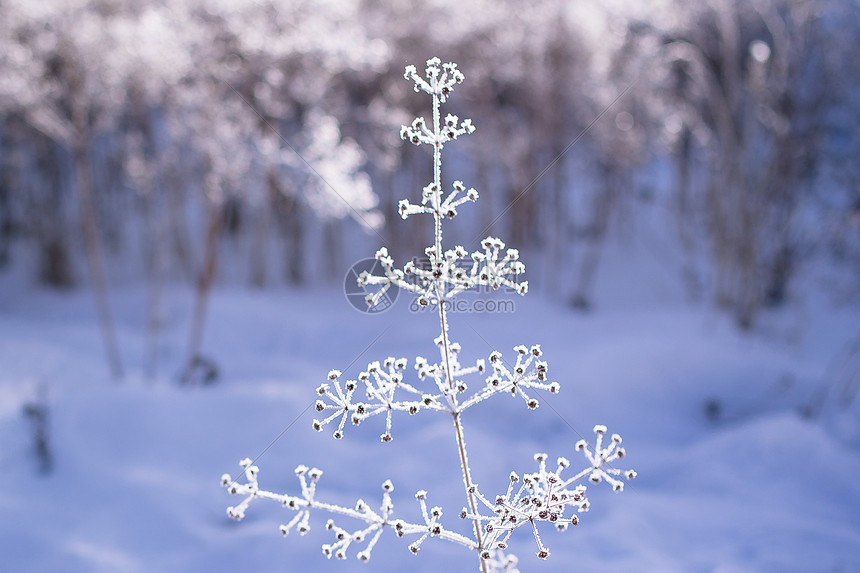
x=630, y=474
x=463, y=513
x=618, y=486
x=532, y=404
x=543, y=554
x=554, y=388
x=420, y=494
x=322, y=389
x=386, y=437
x=225, y=480
x=616, y=438
x=595, y=477
x=301, y=470
x=320, y=405
x=514, y=477
x=599, y=429
x=317, y=425
x=580, y=445
x=340, y=554
x=315, y=473
x=535, y=350
x=574, y=520
x=388, y=486
x=337, y=435
x=363, y=556
x=563, y=462
x=621, y=452
x=334, y=374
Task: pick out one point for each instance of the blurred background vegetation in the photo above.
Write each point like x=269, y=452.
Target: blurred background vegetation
x=255, y=141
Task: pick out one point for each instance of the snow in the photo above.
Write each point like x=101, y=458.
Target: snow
x=730, y=477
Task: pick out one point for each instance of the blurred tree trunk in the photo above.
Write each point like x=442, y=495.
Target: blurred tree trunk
x=602, y=206
x=92, y=242
x=205, y=280
x=291, y=224
x=259, y=255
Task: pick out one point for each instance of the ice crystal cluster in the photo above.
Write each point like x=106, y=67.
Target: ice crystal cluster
x=386, y=388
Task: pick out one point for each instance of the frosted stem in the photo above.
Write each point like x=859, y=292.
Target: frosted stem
x=443, y=320
x=467, y=482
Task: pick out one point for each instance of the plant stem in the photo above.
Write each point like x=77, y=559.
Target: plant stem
x=443, y=320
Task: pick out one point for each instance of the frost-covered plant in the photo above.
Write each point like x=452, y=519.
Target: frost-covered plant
x=531, y=499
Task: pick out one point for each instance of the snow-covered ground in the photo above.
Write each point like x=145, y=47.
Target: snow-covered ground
x=731, y=477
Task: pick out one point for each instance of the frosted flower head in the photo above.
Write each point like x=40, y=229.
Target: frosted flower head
x=439, y=79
